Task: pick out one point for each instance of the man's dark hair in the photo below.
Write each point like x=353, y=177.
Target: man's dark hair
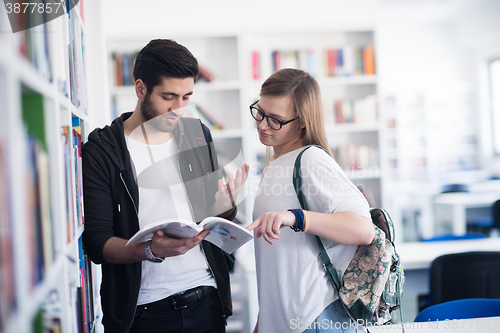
x=164, y=58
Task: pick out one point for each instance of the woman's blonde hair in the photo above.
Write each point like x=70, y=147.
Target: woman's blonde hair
x=305, y=97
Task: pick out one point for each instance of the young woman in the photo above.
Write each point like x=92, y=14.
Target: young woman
x=295, y=292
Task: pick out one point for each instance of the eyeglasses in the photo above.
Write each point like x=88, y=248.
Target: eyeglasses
x=274, y=123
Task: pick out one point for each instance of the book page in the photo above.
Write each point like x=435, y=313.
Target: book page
x=175, y=228
x=225, y=234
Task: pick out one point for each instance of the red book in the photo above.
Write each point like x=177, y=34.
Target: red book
x=255, y=65
x=118, y=69
x=339, y=115
x=206, y=74
x=331, y=61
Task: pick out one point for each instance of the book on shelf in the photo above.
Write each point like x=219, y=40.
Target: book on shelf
x=124, y=67
x=205, y=74
x=330, y=63
x=208, y=119
x=301, y=59
x=77, y=152
x=358, y=111
x=78, y=91
x=225, y=234
x=50, y=314
x=276, y=60
x=38, y=204
x=59, y=41
x=369, y=60
x=70, y=205
x=85, y=290
x=255, y=68
x=348, y=60
x=8, y=301
x=118, y=58
x=356, y=157
x=34, y=46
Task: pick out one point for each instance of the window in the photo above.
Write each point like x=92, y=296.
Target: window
x=495, y=103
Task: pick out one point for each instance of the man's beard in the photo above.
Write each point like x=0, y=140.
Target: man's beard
x=156, y=120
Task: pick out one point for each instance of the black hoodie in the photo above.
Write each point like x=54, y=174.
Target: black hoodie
x=111, y=198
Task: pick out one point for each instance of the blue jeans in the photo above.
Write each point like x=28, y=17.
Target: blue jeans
x=204, y=316
x=334, y=318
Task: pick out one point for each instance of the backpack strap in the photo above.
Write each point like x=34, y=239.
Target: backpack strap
x=297, y=184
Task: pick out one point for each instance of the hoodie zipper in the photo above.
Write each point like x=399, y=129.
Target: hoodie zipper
x=130, y=195
x=137, y=214
x=201, y=246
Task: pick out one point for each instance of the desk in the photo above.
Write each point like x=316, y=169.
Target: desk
x=417, y=257
x=459, y=202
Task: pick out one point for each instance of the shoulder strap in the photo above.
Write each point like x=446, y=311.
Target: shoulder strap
x=297, y=184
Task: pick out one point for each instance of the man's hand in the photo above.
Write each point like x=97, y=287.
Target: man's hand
x=164, y=246
x=225, y=197
x=117, y=252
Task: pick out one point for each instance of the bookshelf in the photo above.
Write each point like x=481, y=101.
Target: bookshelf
x=46, y=282
x=343, y=63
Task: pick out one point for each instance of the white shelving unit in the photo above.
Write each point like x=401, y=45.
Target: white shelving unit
x=41, y=283
x=353, y=86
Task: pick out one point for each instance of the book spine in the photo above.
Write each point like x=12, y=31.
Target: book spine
x=255, y=65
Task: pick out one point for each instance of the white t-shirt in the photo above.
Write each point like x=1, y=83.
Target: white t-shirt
x=162, y=195
x=293, y=286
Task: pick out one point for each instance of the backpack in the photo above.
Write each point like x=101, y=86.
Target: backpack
x=372, y=285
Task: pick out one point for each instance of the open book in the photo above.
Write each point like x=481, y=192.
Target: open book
x=223, y=233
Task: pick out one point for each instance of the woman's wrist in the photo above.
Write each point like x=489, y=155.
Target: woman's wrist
x=299, y=220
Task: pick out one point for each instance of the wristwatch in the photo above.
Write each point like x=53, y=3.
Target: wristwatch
x=149, y=254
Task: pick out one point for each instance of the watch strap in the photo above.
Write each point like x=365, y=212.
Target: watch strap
x=149, y=254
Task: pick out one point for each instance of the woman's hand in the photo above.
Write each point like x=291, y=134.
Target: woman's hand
x=225, y=198
x=270, y=223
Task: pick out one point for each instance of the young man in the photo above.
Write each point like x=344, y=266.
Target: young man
x=149, y=165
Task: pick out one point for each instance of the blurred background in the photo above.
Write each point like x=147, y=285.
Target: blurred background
x=411, y=100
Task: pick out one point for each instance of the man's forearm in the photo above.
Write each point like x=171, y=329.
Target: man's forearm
x=116, y=252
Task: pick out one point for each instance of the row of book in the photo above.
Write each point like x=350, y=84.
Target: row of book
x=71, y=142
x=8, y=302
x=208, y=118
x=346, y=61
x=360, y=161
x=123, y=65
x=55, y=49
x=54, y=316
x=78, y=94
x=38, y=209
x=353, y=157
x=359, y=111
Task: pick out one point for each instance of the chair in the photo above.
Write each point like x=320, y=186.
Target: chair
x=488, y=225
x=461, y=309
x=465, y=275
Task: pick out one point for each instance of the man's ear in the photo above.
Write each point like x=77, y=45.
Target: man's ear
x=140, y=89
